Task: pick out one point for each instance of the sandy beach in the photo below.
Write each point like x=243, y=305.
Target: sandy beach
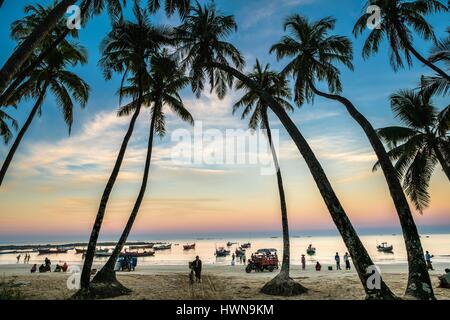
x=219, y=282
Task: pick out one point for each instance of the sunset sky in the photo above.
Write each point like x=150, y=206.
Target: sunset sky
x=55, y=182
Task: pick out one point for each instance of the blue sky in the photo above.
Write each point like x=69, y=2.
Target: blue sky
x=58, y=187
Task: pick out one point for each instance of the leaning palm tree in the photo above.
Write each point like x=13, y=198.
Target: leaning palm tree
x=313, y=52
x=278, y=87
x=6, y=122
x=13, y=67
x=52, y=76
x=203, y=48
x=127, y=50
x=399, y=18
x=420, y=144
x=165, y=81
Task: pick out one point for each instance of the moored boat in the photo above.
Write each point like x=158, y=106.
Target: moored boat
x=52, y=250
x=189, y=246
x=163, y=246
x=311, y=250
x=143, y=246
x=246, y=245
x=222, y=252
x=138, y=254
x=384, y=247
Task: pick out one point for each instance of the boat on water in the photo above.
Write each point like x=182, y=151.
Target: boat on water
x=189, y=246
x=239, y=252
x=163, y=246
x=142, y=246
x=229, y=244
x=311, y=250
x=385, y=247
x=138, y=254
x=52, y=250
x=222, y=252
x=246, y=245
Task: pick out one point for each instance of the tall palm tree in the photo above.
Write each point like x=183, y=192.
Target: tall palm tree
x=313, y=52
x=418, y=146
x=399, y=19
x=6, y=122
x=203, y=48
x=165, y=81
x=52, y=76
x=255, y=107
x=182, y=6
x=127, y=50
x=13, y=68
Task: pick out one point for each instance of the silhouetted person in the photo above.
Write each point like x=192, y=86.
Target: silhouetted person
x=303, y=260
x=338, y=261
x=197, y=266
x=318, y=266
x=347, y=261
x=428, y=257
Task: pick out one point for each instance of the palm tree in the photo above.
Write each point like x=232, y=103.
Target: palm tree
x=278, y=87
x=127, y=50
x=313, y=54
x=203, y=48
x=13, y=68
x=5, y=130
x=399, y=18
x=52, y=75
x=420, y=144
x=166, y=79
x=1, y=3
x=182, y=6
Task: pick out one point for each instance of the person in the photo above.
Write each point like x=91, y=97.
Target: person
x=133, y=263
x=428, y=257
x=33, y=268
x=233, y=257
x=65, y=267
x=244, y=259
x=197, y=266
x=347, y=261
x=318, y=266
x=303, y=262
x=58, y=268
x=338, y=261
x=240, y=258
x=48, y=263
x=444, y=280
x=18, y=258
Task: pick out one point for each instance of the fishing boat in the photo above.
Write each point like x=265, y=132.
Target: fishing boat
x=246, y=245
x=52, y=250
x=163, y=246
x=103, y=254
x=239, y=252
x=311, y=250
x=384, y=247
x=142, y=246
x=189, y=246
x=80, y=251
x=229, y=244
x=138, y=254
x=222, y=252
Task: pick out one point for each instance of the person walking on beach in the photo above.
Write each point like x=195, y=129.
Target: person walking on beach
x=233, y=257
x=197, y=266
x=347, y=261
x=338, y=261
x=428, y=257
x=303, y=262
x=244, y=258
x=18, y=258
x=318, y=266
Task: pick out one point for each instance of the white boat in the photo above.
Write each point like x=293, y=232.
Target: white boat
x=384, y=247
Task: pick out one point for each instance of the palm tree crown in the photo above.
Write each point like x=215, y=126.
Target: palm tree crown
x=399, y=19
x=182, y=6
x=201, y=44
x=271, y=82
x=6, y=122
x=313, y=53
x=420, y=145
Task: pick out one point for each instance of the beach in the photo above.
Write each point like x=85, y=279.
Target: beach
x=171, y=282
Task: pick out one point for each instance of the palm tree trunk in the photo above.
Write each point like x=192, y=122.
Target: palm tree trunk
x=107, y=273
x=444, y=162
x=89, y=258
x=419, y=283
x=21, y=134
x=21, y=75
x=360, y=257
x=25, y=49
x=428, y=63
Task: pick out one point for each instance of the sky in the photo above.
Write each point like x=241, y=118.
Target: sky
x=55, y=182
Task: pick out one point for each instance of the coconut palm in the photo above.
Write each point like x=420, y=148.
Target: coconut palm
x=6, y=122
x=399, y=19
x=127, y=50
x=313, y=52
x=13, y=67
x=1, y=3
x=255, y=107
x=52, y=76
x=203, y=48
x=420, y=145
x=165, y=81
x=182, y=6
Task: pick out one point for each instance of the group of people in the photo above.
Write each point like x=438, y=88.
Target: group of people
x=337, y=258
x=26, y=259
x=46, y=267
x=242, y=259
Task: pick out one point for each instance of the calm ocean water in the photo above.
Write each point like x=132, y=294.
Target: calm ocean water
x=327, y=246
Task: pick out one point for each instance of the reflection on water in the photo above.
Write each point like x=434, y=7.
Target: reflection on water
x=436, y=244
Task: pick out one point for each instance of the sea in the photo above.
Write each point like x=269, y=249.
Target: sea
x=326, y=247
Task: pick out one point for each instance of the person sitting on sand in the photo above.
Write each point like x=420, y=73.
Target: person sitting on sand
x=58, y=268
x=197, y=266
x=48, y=263
x=347, y=261
x=303, y=260
x=64, y=267
x=318, y=266
x=444, y=280
x=338, y=261
x=42, y=268
x=428, y=257
x=33, y=268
